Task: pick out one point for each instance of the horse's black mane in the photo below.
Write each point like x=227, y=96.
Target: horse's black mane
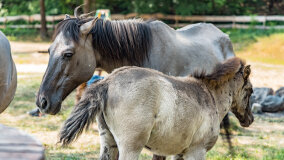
x=115, y=40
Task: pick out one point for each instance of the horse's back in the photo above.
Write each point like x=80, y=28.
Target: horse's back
x=8, y=75
x=201, y=29
x=197, y=47
x=207, y=32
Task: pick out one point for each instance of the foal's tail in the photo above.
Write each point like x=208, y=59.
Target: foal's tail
x=84, y=113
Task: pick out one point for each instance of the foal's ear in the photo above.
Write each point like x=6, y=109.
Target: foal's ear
x=247, y=71
x=86, y=27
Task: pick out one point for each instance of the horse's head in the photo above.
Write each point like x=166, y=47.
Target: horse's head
x=71, y=62
x=80, y=45
x=240, y=106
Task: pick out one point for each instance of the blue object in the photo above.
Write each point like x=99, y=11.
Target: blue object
x=94, y=79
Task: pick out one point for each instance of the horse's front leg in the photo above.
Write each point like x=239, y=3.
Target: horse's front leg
x=108, y=150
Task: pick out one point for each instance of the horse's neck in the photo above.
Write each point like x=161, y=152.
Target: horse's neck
x=223, y=97
x=109, y=65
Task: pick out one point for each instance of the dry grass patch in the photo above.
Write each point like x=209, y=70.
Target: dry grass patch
x=267, y=49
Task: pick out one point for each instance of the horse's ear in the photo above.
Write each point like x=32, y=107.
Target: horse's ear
x=247, y=71
x=67, y=17
x=86, y=27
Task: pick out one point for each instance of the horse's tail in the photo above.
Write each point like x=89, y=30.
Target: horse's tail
x=84, y=113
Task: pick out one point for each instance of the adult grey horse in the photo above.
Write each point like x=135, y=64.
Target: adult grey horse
x=8, y=74
x=82, y=44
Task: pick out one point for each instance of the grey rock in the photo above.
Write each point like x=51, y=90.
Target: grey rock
x=256, y=108
x=272, y=104
x=280, y=92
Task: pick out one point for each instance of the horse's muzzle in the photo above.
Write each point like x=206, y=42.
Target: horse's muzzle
x=45, y=106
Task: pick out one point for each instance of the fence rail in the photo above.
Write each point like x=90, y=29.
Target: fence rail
x=178, y=21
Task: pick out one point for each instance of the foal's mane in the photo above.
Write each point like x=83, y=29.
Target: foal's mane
x=115, y=40
x=222, y=72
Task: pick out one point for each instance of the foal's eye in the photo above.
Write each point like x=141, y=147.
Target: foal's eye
x=250, y=90
x=68, y=55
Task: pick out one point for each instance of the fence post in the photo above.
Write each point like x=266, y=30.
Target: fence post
x=176, y=21
x=264, y=22
x=53, y=26
x=5, y=20
x=234, y=22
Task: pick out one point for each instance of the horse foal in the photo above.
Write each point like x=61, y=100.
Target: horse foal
x=138, y=107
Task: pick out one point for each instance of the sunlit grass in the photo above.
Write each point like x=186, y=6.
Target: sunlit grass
x=266, y=50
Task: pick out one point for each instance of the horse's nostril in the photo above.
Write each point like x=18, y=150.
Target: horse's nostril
x=43, y=103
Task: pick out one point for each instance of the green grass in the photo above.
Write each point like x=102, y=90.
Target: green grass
x=241, y=38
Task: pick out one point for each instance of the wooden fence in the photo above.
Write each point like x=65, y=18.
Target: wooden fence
x=177, y=21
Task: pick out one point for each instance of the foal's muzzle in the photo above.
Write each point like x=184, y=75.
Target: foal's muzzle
x=248, y=121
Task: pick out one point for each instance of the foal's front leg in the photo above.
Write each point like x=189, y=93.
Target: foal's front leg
x=108, y=150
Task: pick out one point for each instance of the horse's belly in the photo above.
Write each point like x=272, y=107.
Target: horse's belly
x=169, y=143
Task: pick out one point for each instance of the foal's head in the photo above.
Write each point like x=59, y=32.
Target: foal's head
x=240, y=106
x=236, y=74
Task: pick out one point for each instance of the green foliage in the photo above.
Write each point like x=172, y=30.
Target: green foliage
x=180, y=7
x=29, y=7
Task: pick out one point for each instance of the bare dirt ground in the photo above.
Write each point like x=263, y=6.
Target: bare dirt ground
x=267, y=75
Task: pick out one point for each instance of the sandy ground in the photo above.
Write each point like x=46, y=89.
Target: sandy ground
x=267, y=75
x=28, y=47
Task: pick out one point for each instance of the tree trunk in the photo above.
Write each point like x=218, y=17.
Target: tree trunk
x=270, y=6
x=43, y=29
x=86, y=8
x=213, y=6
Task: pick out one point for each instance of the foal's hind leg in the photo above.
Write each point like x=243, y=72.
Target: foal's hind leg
x=109, y=150
x=132, y=134
x=195, y=152
x=178, y=157
x=131, y=143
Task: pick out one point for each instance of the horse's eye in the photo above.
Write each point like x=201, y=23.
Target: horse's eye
x=68, y=54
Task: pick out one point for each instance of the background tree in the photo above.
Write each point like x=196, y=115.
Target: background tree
x=43, y=29
x=87, y=6
x=179, y=7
